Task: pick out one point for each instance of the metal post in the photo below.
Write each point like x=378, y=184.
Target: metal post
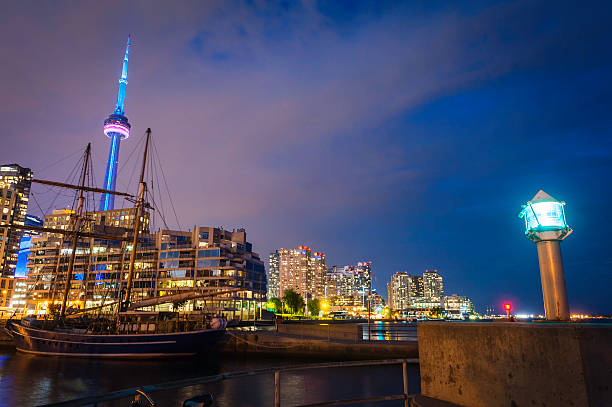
x=556, y=305
x=369, y=305
x=276, y=388
x=405, y=373
x=139, y=213
x=77, y=228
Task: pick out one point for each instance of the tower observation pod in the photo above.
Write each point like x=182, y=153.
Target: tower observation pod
x=546, y=226
x=117, y=128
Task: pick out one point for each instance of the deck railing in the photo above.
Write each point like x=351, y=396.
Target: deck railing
x=276, y=371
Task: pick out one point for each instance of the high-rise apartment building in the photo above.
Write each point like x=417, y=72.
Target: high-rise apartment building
x=7, y=285
x=350, y=280
x=24, y=245
x=403, y=289
x=273, y=275
x=302, y=270
x=15, y=184
x=432, y=285
x=167, y=262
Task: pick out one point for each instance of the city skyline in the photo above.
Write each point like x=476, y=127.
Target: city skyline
x=405, y=134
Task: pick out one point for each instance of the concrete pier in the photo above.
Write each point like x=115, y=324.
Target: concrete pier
x=281, y=344
x=516, y=364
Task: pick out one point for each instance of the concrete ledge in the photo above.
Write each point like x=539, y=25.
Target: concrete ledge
x=516, y=364
x=344, y=332
x=283, y=345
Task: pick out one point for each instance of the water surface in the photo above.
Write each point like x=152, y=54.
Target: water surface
x=27, y=380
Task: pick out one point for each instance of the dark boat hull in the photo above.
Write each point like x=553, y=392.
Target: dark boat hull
x=54, y=343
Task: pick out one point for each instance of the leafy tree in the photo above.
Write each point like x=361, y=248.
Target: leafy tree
x=314, y=306
x=437, y=312
x=293, y=300
x=276, y=304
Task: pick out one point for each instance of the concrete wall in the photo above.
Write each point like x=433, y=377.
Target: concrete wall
x=272, y=344
x=516, y=364
x=344, y=332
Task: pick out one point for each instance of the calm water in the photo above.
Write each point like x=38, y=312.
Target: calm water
x=27, y=380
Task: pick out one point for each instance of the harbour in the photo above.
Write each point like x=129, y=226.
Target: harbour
x=27, y=380
x=312, y=204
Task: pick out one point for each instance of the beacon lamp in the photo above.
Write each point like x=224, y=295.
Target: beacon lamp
x=546, y=226
x=508, y=307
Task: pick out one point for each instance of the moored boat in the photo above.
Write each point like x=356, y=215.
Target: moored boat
x=74, y=342
x=127, y=332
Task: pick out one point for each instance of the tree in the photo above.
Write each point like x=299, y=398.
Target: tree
x=314, y=306
x=293, y=300
x=437, y=312
x=276, y=304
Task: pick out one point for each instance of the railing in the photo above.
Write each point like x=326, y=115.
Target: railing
x=276, y=371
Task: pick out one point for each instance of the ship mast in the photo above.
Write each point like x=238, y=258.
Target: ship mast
x=77, y=228
x=140, y=203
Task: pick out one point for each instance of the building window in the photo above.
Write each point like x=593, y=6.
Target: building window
x=208, y=253
x=208, y=263
x=168, y=264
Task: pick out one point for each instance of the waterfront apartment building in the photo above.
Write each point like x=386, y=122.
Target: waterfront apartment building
x=7, y=287
x=97, y=221
x=168, y=262
x=273, y=291
x=403, y=289
x=12, y=295
x=376, y=300
x=24, y=245
x=349, y=280
x=458, y=306
x=15, y=182
x=416, y=296
x=302, y=270
x=432, y=285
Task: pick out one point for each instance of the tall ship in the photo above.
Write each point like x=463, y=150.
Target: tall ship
x=127, y=331
x=100, y=283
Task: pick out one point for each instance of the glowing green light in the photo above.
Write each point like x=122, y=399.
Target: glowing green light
x=543, y=213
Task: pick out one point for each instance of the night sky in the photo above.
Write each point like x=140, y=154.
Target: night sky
x=406, y=134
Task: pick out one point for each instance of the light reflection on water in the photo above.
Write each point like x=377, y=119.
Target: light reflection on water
x=389, y=331
x=27, y=380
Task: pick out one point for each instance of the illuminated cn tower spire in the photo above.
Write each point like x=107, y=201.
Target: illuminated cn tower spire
x=117, y=128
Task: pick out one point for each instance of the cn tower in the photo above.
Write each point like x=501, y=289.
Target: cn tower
x=117, y=128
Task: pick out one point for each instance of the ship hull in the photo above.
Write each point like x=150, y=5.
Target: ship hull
x=55, y=343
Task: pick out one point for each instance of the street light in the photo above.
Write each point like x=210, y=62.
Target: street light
x=546, y=226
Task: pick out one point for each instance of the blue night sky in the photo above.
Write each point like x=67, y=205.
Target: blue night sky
x=407, y=134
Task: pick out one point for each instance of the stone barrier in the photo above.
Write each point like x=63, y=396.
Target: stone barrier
x=516, y=364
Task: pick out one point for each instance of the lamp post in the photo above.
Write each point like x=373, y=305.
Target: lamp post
x=546, y=226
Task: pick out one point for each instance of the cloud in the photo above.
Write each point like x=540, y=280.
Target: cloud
x=310, y=122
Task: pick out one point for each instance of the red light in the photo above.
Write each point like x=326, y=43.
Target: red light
x=507, y=307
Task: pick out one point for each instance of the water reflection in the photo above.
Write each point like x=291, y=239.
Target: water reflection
x=27, y=380
x=390, y=331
